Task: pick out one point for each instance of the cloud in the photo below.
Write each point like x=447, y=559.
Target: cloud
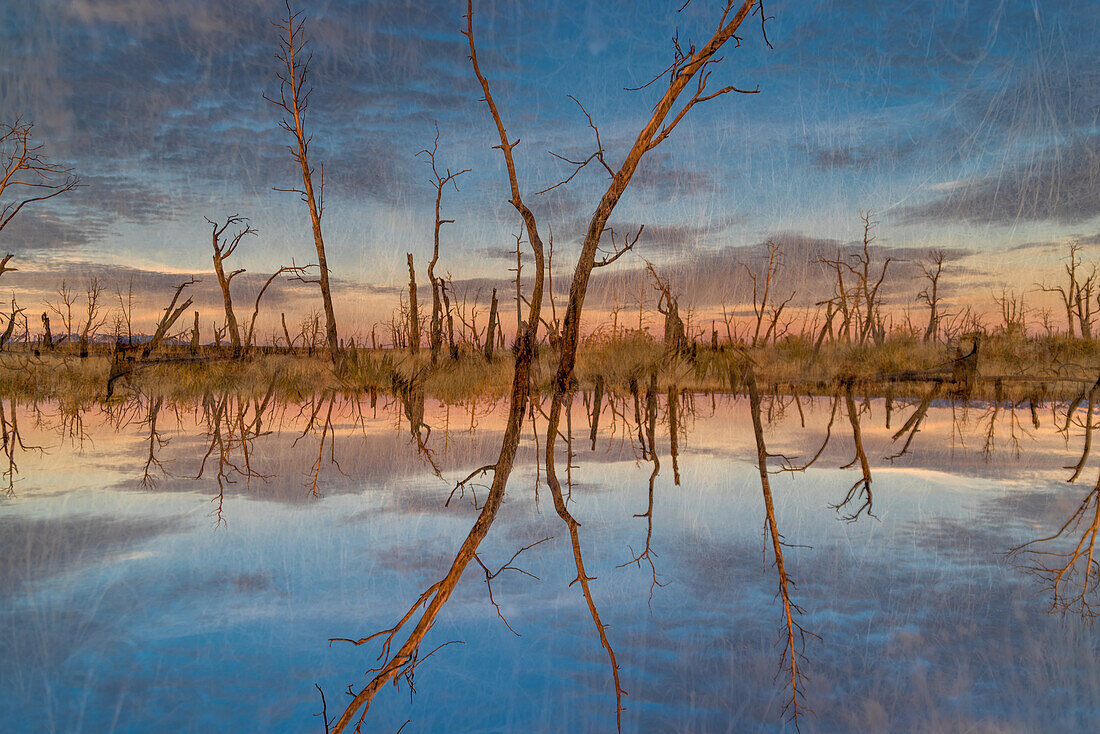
x=665, y=179
x=708, y=279
x=1060, y=245
x=860, y=156
x=1060, y=184
x=44, y=230
x=38, y=279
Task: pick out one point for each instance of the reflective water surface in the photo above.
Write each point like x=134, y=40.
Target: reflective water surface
x=184, y=567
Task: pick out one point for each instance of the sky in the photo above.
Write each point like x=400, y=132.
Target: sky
x=969, y=126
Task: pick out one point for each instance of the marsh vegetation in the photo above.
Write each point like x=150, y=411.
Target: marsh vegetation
x=613, y=476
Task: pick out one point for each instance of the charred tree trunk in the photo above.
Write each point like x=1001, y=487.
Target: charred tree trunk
x=414, y=311
x=195, y=335
x=964, y=371
x=47, y=336
x=491, y=331
x=452, y=348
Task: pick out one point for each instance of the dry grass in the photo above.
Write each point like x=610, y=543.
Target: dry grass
x=1034, y=367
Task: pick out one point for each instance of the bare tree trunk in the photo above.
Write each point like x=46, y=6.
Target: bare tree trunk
x=6, y=336
x=222, y=252
x=414, y=312
x=451, y=346
x=491, y=331
x=195, y=335
x=681, y=73
x=435, y=333
x=440, y=181
x=674, y=337
x=286, y=335
x=293, y=100
x=256, y=309
x=47, y=337
x=171, y=314
x=519, y=285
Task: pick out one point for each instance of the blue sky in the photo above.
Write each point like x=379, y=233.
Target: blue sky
x=968, y=124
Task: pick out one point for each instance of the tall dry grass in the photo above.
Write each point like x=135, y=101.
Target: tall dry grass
x=1021, y=367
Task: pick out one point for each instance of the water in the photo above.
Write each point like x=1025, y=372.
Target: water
x=183, y=605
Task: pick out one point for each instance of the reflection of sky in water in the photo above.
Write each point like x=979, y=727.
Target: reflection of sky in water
x=123, y=610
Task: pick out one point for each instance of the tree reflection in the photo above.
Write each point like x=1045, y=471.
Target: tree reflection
x=1070, y=574
x=792, y=658
x=13, y=444
x=1065, y=563
x=649, y=449
x=156, y=441
x=859, y=494
x=230, y=433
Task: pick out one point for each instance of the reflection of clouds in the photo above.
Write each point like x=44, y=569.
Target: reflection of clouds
x=924, y=626
x=35, y=549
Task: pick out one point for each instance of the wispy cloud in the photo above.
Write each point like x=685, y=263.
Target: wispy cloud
x=1060, y=184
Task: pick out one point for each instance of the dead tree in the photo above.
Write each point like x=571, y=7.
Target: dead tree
x=171, y=313
x=222, y=251
x=439, y=181
x=294, y=101
x=6, y=336
x=1084, y=303
x=675, y=339
x=452, y=347
x=195, y=335
x=47, y=337
x=872, y=326
x=930, y=294
x=840, y=304
x=256, y=309
x=94, y=318
x=26, y=175
x=760, y=300
x=858, y=303
x=63, y=307
x=491, y=330
x=687, y=68
x=414, y=312
x=1077, y=295
x=433, y=599
x=518, y=270
x=126, y=307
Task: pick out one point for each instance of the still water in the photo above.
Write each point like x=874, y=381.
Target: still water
x=137, y=597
